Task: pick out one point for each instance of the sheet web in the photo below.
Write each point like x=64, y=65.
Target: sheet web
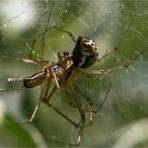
x=122, y=24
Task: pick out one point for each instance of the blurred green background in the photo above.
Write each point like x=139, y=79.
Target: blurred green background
x=122, y=121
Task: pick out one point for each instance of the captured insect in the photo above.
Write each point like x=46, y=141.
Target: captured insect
x=63, y=75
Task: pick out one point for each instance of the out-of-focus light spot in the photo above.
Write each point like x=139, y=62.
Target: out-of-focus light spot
x=65, y=11
x=2, y=111
x=133, y=134
x=18, y=14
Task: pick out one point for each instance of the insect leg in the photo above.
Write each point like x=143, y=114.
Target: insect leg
x=12, y=80
x=46, y=98
x=55, y=78
x=15, y=89
x=44, y=92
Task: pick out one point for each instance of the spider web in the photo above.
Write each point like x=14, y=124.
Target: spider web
x=108, y=24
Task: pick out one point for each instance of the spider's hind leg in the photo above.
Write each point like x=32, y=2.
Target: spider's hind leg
x=82, y=112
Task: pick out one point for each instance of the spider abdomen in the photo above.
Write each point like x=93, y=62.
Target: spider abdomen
x=85, y=53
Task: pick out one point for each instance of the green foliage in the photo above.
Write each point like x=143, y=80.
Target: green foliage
x=122, y=121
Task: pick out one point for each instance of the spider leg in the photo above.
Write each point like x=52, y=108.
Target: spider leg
x=82, y=125
x=42, y=35
x=107, y=54
x=98, y=73
x=39, y=56
x=82, y=92
x=59, y=29
x=120, y=40
x=42, y=46
x=90, y=106
x=34, y=56
x=104, y=100
x=69, y=98
x=67, y=32
x=62, y=114
x=47, y=99
x=82, y=114
x=37, y=60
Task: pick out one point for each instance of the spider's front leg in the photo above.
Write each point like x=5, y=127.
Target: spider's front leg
x=42, y=36
x=99, y=73
x=91, y=111
x=81, y=127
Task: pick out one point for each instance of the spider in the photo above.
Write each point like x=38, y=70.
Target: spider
x=64, y=72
